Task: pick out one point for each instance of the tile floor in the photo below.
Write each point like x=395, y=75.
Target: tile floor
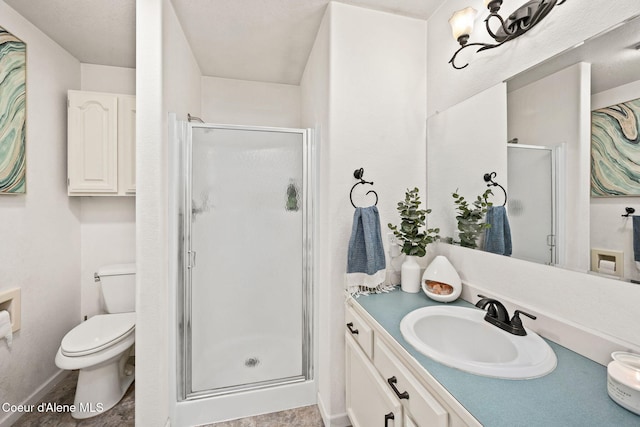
x=122, y=415
x=307, y=416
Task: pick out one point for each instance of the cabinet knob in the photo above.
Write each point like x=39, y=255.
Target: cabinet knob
x=392, y=382
x=388, y=417
x=350, y=326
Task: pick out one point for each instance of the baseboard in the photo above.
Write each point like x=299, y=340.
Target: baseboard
x=339, y=420
x=35, y=397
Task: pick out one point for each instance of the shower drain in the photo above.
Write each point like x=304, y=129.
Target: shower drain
x=251, y=362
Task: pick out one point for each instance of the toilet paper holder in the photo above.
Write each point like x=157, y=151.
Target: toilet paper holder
x=607, y=262
x=10, y=301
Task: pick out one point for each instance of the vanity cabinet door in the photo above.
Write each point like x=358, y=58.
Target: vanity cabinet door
x=370, y=402
x=423, y=407
x=408, y=422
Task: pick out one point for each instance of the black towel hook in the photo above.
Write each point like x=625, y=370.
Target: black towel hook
x=629, y=211
x=358, y=173
x=488, y=178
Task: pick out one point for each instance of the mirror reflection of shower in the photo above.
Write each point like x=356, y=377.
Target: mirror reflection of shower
x=533, y=202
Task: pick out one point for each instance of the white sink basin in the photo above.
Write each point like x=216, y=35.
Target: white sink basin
x=460, y=337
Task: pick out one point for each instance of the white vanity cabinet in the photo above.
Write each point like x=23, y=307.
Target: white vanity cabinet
x=382, y=379
x=369, y=401
x=100, y=144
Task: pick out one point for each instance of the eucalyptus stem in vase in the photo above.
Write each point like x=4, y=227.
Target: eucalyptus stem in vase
x=414, y=236
x=470, y=217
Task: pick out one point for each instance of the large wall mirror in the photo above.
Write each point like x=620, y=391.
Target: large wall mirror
x=535, y=134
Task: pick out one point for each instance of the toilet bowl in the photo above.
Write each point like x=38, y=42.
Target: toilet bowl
x=102, y=346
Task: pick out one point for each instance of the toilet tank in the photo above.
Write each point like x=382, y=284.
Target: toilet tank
x=118, y=287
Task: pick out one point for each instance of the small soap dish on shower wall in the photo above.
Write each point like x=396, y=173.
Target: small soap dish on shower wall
x=441, y=281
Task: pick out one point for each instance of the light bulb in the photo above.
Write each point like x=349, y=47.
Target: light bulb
x=462, y=24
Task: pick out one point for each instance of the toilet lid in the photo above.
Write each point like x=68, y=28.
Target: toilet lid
x=99, y=332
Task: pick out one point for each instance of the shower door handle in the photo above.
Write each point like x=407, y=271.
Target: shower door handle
x=551, y=239
x=192, y=259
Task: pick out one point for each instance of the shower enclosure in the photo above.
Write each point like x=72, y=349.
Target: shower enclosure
x=245, y=309
x=532, y=206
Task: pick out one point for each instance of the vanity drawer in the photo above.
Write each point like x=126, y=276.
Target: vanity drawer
x=360, y=331
x=421, y=405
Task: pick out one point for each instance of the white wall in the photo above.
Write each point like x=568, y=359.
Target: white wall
x=554, y=111
x=104, y=78
x=152, y=344
x=108, y=224
x=315, y=91
x=168, y=79
x=365, y=90
x=566, y=25
x=242, y=102
x=40, y=230
x=608, y=229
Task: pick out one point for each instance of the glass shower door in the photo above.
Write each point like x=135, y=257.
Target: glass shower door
x=532, y=202
x=247, y=274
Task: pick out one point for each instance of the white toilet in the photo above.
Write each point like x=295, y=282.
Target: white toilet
x=101, y=346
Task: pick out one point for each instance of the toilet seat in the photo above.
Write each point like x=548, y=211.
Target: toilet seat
x=99, y=332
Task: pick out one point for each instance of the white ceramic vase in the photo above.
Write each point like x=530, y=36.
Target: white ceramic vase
x=410, y=275
x=441, y=281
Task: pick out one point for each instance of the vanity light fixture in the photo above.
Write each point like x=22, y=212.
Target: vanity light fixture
x=515, y=25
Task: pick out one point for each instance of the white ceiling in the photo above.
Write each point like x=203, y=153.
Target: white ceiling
x=260, y=40
x=264, y=40
x=94, y=31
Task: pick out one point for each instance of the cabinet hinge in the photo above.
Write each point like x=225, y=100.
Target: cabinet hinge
x=68, y=182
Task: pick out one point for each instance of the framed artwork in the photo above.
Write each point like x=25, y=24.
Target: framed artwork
x=615, y=150
x=13, y=112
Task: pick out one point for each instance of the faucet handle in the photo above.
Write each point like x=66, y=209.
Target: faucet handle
x=516, y=322
x=518, y=312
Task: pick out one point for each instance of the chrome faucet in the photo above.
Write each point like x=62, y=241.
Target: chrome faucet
x=498, y=315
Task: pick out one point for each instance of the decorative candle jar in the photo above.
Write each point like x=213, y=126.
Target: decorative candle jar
x=623, y=380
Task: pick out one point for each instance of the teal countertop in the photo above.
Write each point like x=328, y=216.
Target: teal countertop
x=574, y=394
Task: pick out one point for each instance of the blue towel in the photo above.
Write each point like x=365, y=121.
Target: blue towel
x=366, y=261
x=636, y=238
x=497, y=238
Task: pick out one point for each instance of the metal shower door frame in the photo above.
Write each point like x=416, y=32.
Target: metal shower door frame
x=186, y=258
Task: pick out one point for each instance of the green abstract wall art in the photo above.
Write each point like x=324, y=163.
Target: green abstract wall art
x=13, y=80
x=615, y=150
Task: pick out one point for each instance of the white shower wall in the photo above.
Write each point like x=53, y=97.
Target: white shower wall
x=241, y=102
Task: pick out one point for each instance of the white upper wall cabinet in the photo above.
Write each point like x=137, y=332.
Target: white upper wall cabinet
x=101, y=144
x=127, y=143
